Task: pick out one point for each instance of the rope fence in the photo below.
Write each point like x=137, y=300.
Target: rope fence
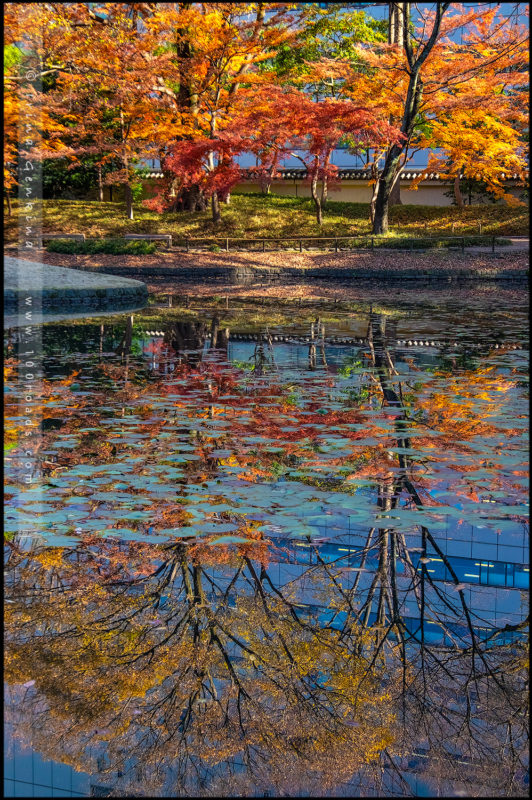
x=278, y=243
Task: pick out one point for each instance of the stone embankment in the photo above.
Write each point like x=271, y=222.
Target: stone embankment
x=50, y=288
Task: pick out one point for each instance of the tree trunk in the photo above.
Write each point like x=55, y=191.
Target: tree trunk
x=8, y=198
x=410, y=111
x=128, y=193
x=192, y=198
x=395, y=30
x=395, y=36
x=457, y=193
x=395, y=194
x=316, y=198
x=324, y=191
x=375, y=177
x=392, y=167
x=189, y=199
x=215, y=205
x=380, y=213
x=100, y=183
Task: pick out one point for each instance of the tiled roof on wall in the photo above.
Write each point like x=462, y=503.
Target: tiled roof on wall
x=354, y=174
x=346, y=175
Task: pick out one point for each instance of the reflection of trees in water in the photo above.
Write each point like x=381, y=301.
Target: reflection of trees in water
x=176, y=671
x=153, y=652
x=463, y=698
x=193, y=656
x=187, y=339
x=263, y=357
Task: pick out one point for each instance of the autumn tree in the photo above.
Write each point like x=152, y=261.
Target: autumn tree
x=284, y=120
x=11, y=112
x=429, y=72
x=215, y=47
x=30, y=120
x=272, y=123
x=479, y=145
x=326, y=34
x=107, y=88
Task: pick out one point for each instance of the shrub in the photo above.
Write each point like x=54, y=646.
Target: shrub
x=116, y=247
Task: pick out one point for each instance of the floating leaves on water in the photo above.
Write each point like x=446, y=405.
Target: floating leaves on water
x=185, y=531
x=214, y=527
x=310, y=444
x=38, y=508
x=125, y=514
x=231, y=540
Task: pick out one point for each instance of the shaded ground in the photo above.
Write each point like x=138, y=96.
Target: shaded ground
x=256, y=215
x=430, y=262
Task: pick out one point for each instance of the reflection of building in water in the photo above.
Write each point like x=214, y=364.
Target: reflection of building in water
x=28, y=774
x=497, y=603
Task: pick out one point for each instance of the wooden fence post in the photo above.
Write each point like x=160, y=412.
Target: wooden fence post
x=227, y=245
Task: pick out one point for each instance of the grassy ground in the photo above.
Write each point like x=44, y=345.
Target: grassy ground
x=255, y=215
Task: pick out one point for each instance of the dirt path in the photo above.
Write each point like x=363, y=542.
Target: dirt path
x=436, y=261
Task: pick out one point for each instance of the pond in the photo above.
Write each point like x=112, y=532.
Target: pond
x=268, y=552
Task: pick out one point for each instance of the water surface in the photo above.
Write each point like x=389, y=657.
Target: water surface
x=295, y=564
